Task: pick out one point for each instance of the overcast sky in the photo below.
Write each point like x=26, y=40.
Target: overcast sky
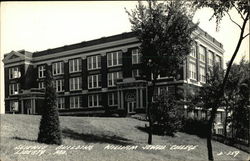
x=36, y=26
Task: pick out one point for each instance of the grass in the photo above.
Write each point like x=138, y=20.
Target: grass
x=98, y=131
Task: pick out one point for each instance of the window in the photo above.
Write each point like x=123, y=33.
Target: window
x=193, y=52
x=114, y=58
x=41, y=70
x=94, y=62
x=13, y=105
x=136, y=56
x=14, y=88
x=59, y=85
x=75, y=83
x=192, y=71
x=112, y=99
x=112, y=78
x=41, y=85
x=75, y=65
x=135, y=73
x=210, y=58
x=94, y=81
x=202, y=74
x=218, y=60
x=94, y=100
x=75, y=102
x=14, y=73
x=202, y=53
x=60, y=103
x=58, y=68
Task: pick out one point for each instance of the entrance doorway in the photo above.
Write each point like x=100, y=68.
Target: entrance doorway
x=131, y=107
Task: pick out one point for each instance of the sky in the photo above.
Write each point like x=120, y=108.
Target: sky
x=36, y=26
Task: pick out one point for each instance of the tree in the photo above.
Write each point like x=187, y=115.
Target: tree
x=164, y=30
x=237, y=96
x=222, y=8
x=49, y=130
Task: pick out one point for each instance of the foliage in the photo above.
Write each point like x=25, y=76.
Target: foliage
x=167, y=114
x=222, y=7
x=208, y=94
x=49, y=130
x=195, y=126
x=164, y=30
x=237, y=96
x=165, y=34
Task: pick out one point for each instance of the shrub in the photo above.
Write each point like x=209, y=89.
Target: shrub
x=166, y=115
x=49, y=130
x=195, y=126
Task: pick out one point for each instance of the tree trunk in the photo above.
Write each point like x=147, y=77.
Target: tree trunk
x=214, y=109
x=225, y=124
x=150, y=121
x=209, y=144
x=209, y=133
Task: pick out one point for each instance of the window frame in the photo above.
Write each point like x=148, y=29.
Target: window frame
x=210, y=58
x=202, y=75
x=61, y=68
x=95, y=59
x=59, y=83
x=12, y=88
x=193, y=53
x=113, y=79
x=91, y=100
x=136, y=56
x=95, y=78
x=202, y=54
x=60, y=103
x=72, y=83
x=41, y=85
x=12, y=74
x=192, y=71
x=79, y=103
x=41, y=69
x=115, y=60
x=72, y=62
x=111, y=97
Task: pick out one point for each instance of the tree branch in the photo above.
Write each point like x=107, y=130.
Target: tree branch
x=238, y=11
x=245, y=36
x=233, y=20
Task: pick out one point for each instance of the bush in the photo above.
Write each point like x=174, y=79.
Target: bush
x=166, y=115
x=197, y=127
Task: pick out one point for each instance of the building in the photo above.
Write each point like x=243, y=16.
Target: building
x=100, y=76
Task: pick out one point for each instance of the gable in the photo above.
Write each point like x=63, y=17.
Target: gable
x=13, y=56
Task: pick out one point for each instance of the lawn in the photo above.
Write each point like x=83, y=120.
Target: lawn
x=95, y=138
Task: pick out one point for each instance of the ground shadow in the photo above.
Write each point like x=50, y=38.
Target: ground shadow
x=156, y=131
x=93, y=138
x=23, y=139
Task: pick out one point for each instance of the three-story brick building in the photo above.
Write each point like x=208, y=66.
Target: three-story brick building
x=98, y=76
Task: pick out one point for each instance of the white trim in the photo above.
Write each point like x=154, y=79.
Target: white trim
x=85, y=49
x=87, y=54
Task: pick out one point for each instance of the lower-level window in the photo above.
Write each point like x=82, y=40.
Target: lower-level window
x=41, y=85
x=75, y=102
x=112, y=99
x=60, y=103
x=13, y=105
x=94, y=100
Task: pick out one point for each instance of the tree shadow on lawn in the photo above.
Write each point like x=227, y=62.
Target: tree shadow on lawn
x=156, y=131
x=23, y=139
x=93, y=138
